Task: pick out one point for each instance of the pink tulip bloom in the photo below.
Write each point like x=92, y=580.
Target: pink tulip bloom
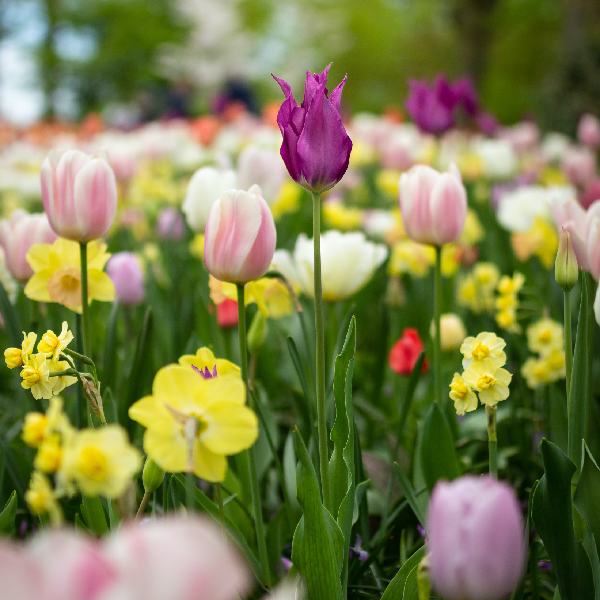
x=433, y=205
x=20, y=575
x=588, y=131
x=18, y=234
x=476, y=539
x=240, y=237
x=178, y=559
x=579, y=165
x=126, y=273
x=79, y=194
x=170, y=224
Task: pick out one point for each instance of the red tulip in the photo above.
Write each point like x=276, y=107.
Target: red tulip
x=405, y=352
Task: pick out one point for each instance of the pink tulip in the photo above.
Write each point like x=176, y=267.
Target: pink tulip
x=433, y=204
x=126, y=273
x=170, y=224
x=18, y=234
x=593, y=240
x=20, y=575
x=588, y=131
x=179, y=559
x=475, y=539
x=79, y=194
x=240, y=237
x=74, y=567
x=579, y=165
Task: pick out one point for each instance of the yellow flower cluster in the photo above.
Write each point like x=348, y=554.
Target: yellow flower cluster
x=57, y=273
x=476, y=290
x=196, y=416
x=483, y=359
x=541, y=241
x=507, y=301
x=37, y=368
x=544, y=337
x=92, y=461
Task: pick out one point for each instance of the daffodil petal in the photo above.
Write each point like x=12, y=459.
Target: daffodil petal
x=100, y=286
x=208, y=465
x=37, y=288
x=231, y=428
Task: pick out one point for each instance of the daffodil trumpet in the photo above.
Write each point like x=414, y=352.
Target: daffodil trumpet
x=254, y=487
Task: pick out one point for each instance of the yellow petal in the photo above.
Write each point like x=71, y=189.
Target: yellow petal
x=231, y=428
x=100, y=286
x=169, y=452
x=150, y=413
x=176, y=386
x=97, y=256
x=37, y=287
x=66, y=253
x=38, y=257
x=207, y=465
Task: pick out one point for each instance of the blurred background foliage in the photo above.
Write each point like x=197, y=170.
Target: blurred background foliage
x=528, y=57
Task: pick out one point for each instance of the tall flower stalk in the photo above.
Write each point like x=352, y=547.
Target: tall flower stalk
x=85, y=306
x=437, y=315
x=259, y=525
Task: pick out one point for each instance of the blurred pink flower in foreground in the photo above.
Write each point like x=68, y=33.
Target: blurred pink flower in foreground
x=17, y=234
x=588, y=131
x=178, y=559
x=126, y=273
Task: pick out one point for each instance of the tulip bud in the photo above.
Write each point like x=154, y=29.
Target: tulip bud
x=79, y=194
x=566, y=270
x=18, y=234
x=152, y=476
x=475, y=539
x=257, y=333
x=452, y=329
x=316, y=148
x=433, y=205
x=170, y=224
x=240, y=237
x=126, y=273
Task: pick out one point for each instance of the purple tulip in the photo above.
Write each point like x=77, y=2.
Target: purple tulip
x=475, y=539
x=466, y=95
x=431, y=109
x=126, y=273
x=316, y=148
x=170, y=224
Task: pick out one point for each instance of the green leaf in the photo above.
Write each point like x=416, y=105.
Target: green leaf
x=553, y=518
x=438, y=456
x=409, y=493
x=139, y=368
x=518, y=593
x=93, y=514
x=318, y=541
x=579, y=392
x=395, y=589
x=7, y=516
x=589, y=543
x=110, y=349
x=415, y=375
x=587, y=494
x=206, y=505
x=12, y=322
x=305, y=407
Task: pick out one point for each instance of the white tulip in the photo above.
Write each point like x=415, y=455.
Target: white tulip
x=263, y=167
x=348, y=262
x=206, y=186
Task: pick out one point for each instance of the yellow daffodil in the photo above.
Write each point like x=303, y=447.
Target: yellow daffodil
x=451, y=254
x=464, y=398
x=35, y=374
x=388, y=181
x=490, y=384
x=544, y=336
x=507, y=319
x=511, y=285
x=536, y=372
x=99, y=462
x=196, y=246
x=15, y=357
x=41, y=498
x=53, y=345
x=342, y=217
x=541, y=240
x=270, y=295
x=486, y=349
x=205, y=362
x=486, y=275
x=49, y=454
x=193, y=423
x=473, y=231
x=556, y=363
x=288, y=199
x=60, y=382
x=409, y=257
x=34, y=429
x=57, y=273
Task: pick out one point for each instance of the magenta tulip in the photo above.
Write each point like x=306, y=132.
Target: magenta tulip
x=240, y=236
x=18, y=234
x=316, y=148
x=476, y=539
x=433, y=205
x=79, y=194
x=126, y=273
x=588, y=131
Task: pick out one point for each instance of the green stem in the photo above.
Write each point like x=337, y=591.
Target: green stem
x=568, y=344
x=254, y=487
x=85, y=307
x=320, y=356
x=437, y=340
x=491, y=412
x=190, y=491
x=142, y=507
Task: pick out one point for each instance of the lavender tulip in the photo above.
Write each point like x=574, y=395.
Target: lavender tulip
x=475, y=539
x=316, y=148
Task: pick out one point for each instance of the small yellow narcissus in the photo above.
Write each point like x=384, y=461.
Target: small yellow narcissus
x=41, y=498
x=491, y=385
x=34, y=429
x=464, y=398
x=486, y=347
x=52, y=344
x=195, y=419
x=35, y=375
x=15, y=357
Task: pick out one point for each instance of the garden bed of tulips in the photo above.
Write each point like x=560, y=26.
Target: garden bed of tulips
x=217, y=407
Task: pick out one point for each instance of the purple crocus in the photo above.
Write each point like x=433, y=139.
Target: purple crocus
x=316, y=148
